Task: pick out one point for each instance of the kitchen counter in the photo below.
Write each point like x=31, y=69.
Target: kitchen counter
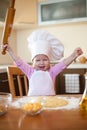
x=3, y=68
x=74, y=65
x=78, y=65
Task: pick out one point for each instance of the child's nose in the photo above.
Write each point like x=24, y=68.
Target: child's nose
x=42, y=62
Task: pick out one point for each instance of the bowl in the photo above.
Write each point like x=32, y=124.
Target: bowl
x=5, y=100
x=31, y=105
x=32, y=108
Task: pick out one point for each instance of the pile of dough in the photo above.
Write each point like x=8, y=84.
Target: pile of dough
x=52, y=102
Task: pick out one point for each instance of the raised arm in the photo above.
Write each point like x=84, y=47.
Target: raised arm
x=77, y=52
x=11, y=52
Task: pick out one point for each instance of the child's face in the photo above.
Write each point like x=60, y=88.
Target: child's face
x=41, y=62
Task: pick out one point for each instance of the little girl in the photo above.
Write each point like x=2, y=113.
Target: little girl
x=41, y=75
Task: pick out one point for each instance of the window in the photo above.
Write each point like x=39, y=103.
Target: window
x=62, y=11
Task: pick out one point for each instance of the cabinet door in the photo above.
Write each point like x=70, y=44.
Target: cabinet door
x=26, y=11
x=60, y=80
x=4, y=85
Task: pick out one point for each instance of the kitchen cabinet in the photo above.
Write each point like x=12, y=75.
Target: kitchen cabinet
x=26, y=11
x=60, y=79
x=4, y=86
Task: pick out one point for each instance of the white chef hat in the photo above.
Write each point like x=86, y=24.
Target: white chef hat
x=42, y=42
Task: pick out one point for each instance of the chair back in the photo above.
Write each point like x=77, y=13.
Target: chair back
x=18, y=82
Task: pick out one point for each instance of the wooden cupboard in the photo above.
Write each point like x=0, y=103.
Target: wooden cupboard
x=4, y=86
x=60, y=80
x=26, y=11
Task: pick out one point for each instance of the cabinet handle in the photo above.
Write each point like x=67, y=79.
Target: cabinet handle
x=4, y=80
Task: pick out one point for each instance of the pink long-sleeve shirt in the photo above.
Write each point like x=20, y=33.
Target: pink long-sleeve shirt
x=28, y=69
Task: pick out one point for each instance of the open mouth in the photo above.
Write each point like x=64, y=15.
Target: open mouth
x=41, y=67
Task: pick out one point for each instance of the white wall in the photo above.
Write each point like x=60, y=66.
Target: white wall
x=5, y=59
x=71, y=35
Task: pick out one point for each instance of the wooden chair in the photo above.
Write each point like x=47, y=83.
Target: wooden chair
x=18, y=82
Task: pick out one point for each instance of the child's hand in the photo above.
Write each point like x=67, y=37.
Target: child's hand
x=4, y=46
x=8, y=48
x=78, y=51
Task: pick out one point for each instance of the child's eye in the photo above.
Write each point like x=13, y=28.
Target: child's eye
x=45, y=59
x=38, y=60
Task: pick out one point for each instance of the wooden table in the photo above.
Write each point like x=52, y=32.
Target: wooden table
x=62, y=119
